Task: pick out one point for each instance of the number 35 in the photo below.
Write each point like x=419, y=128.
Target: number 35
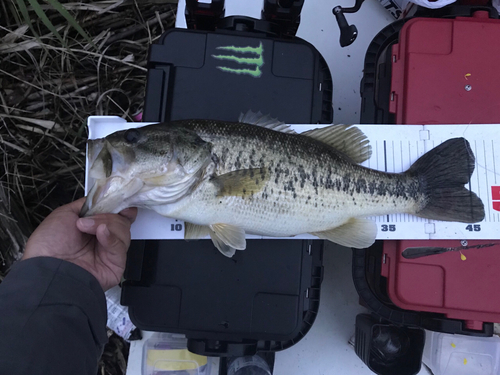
x=390, y=228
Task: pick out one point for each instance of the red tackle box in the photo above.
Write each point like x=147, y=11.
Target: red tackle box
x=446, y=71
x=458, y=284
x=433, y=70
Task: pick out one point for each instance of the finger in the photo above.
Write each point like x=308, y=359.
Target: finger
x=90, y=224
x=130, y=213
x=112, y=239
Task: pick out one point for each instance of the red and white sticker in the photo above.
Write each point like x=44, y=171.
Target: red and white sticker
x=495, y=197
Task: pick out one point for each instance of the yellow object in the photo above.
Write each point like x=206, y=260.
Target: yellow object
x=462, y=256
x=175, y=360
x=453, y=345
x=465, y=361
x=467, y=75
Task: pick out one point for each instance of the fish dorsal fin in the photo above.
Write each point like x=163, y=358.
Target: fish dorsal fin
x=227, y=238
x=241, y=183
x=347, y=139
x=194, y=231
x=357, y=233
x=265, y=121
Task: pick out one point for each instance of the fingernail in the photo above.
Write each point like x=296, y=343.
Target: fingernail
x=86, y=223
x=106, y=231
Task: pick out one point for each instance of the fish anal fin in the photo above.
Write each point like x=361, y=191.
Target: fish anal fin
x=241, y=183
x=347, y=139
x=357, y=232
x=227, y=238
x=265, y=121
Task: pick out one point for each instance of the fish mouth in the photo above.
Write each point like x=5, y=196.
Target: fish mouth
x=110, y=190
x=110, y=196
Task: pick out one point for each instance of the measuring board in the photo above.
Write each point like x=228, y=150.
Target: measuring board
x=394, y=149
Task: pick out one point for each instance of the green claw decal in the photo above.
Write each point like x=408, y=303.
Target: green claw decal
x=256, y=61
x=257, y=50
x=254, y=73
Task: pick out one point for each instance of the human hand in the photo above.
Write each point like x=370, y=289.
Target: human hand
x=98, y=243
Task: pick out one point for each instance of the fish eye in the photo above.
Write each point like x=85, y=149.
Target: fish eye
x=132, y=135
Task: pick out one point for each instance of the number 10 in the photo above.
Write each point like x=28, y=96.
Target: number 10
x=176, y=227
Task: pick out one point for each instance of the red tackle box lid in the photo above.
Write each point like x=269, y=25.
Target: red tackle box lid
x=446, y=71
x=459, y=284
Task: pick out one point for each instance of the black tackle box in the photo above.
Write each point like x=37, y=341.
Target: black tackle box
x=264, y=298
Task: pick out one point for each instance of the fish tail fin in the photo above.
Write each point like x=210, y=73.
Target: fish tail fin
x=443, y=172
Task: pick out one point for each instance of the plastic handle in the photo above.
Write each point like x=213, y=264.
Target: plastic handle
x=348, y=33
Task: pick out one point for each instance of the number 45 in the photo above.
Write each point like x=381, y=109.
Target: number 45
x=473, y=228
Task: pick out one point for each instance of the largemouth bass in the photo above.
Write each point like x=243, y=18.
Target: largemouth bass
x=257, y=176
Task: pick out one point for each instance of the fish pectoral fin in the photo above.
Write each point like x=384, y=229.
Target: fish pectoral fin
x=241, y=183
x=265, y=121
x=357, y=233
x=227, y=238
x=347, y=139
x=195, y=232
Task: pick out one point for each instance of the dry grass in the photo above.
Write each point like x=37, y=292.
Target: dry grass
x=47, y=91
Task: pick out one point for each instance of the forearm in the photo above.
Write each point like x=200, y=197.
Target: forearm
x=52, y=319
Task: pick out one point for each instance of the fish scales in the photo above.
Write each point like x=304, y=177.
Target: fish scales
x=311, y=186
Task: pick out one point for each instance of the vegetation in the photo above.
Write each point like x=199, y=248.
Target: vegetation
x=60, y=62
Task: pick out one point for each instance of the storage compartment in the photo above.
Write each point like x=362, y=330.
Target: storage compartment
x=167, y=354
x=413, y=75
x=445, y=71
x=264, y=298
x=419, y=94
x=448, y=354
x=388, y=349
x=458, y=283
x=218, y=75
x=376, y=290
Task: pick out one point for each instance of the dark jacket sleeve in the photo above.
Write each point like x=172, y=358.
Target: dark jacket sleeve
x=52, y=319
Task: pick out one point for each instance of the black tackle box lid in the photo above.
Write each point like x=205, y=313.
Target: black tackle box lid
x=262, y=299
x=218, y=75
x=266, y=297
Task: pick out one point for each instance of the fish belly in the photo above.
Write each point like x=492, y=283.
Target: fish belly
x=281, y=213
